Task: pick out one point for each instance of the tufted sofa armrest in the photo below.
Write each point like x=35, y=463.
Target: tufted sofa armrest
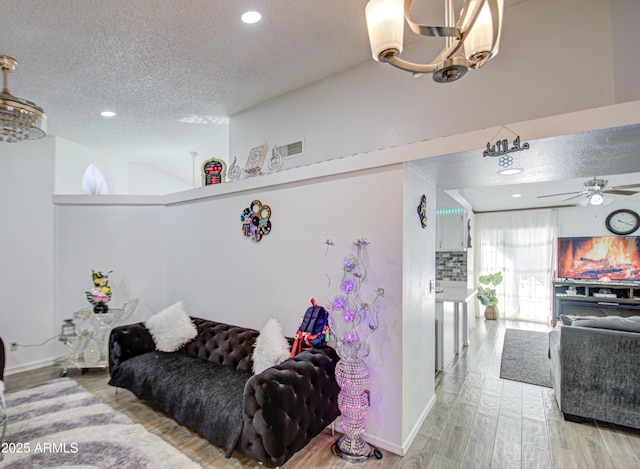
x=286, y=405
x=127, y=342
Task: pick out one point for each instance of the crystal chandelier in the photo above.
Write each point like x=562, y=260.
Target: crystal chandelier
x=469, y=43
x=19, y=119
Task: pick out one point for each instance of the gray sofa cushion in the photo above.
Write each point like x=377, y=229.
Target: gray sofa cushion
x=594, y=372
x=202, y=395
x=616, y=323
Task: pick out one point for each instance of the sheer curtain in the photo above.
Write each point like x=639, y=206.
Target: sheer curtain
x=520, y=244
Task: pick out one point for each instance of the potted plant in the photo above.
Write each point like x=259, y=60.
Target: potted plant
x=487, y=294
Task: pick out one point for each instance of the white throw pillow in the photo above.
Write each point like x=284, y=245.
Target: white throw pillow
x=171, y=328
x=271, y=347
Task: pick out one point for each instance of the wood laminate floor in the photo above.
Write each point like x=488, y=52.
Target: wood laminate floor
x=479, y=421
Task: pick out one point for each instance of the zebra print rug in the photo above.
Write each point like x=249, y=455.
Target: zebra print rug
x=61, y=424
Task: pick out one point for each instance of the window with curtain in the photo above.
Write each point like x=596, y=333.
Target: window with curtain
x=520, y=244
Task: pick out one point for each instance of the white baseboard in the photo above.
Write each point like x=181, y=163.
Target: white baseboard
x=416, y=428
x=383, y=444
x=392, y=447
x=11, y=370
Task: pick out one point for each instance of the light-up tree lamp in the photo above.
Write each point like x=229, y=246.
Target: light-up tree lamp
x=352, y=321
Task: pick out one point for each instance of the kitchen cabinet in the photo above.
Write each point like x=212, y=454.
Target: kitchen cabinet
x=451, y=232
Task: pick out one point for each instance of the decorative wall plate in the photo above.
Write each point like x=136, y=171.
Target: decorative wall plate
x=255, y=221
x=214, y=171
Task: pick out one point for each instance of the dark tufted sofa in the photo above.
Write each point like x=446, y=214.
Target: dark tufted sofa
x=209, y=386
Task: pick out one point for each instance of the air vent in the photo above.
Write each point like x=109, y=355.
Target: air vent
x=289, y=150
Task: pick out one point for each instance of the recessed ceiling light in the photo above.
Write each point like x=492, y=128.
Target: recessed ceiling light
x=251, y=17
x=107, y=113
x=515, y=196
x=510, y=171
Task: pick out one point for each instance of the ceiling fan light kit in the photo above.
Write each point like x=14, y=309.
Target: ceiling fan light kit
x=594, y=191
x=471, y=41
x=19, y=119
x=596, y=199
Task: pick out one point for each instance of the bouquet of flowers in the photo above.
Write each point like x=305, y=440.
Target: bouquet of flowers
x=100, y=294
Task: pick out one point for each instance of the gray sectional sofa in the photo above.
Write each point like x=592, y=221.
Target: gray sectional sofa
x=595, y=369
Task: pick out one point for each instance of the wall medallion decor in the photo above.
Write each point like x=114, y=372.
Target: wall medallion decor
x=214, y=171
x=255, y=220
x=422, y=211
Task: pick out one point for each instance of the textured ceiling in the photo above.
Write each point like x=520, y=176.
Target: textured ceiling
x=175, y=70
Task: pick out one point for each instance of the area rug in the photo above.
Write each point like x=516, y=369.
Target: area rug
x=525, y=357
x=61, y=424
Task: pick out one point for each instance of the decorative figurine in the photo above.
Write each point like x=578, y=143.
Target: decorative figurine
x=422, y=211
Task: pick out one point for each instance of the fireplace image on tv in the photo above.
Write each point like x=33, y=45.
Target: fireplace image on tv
x=599, y=258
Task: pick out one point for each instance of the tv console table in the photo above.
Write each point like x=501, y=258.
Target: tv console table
x=593, y=298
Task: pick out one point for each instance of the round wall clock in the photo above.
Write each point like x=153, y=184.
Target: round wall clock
x=623, y=221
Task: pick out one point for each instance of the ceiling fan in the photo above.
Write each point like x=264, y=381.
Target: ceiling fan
x=593, y=192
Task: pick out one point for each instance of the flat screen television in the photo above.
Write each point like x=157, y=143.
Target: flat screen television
x=599, y=258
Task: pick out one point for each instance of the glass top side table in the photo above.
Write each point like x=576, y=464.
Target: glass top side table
x=89, y=347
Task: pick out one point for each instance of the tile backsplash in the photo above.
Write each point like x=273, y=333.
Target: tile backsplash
x=451, y=266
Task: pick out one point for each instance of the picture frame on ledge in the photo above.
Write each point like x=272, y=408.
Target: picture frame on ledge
x=256, y=159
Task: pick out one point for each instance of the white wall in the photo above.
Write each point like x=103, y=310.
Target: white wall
x=222, y=275
x=129, y=240
x=135, y=178
x=418, y=306
x=71, y=161
x=590, y=220
x=146, y=179
x=555, y=57
x=26, y=250
x=193, y=250
x=625, y=18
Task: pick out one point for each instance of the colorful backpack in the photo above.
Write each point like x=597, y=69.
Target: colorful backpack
x=313, y=330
